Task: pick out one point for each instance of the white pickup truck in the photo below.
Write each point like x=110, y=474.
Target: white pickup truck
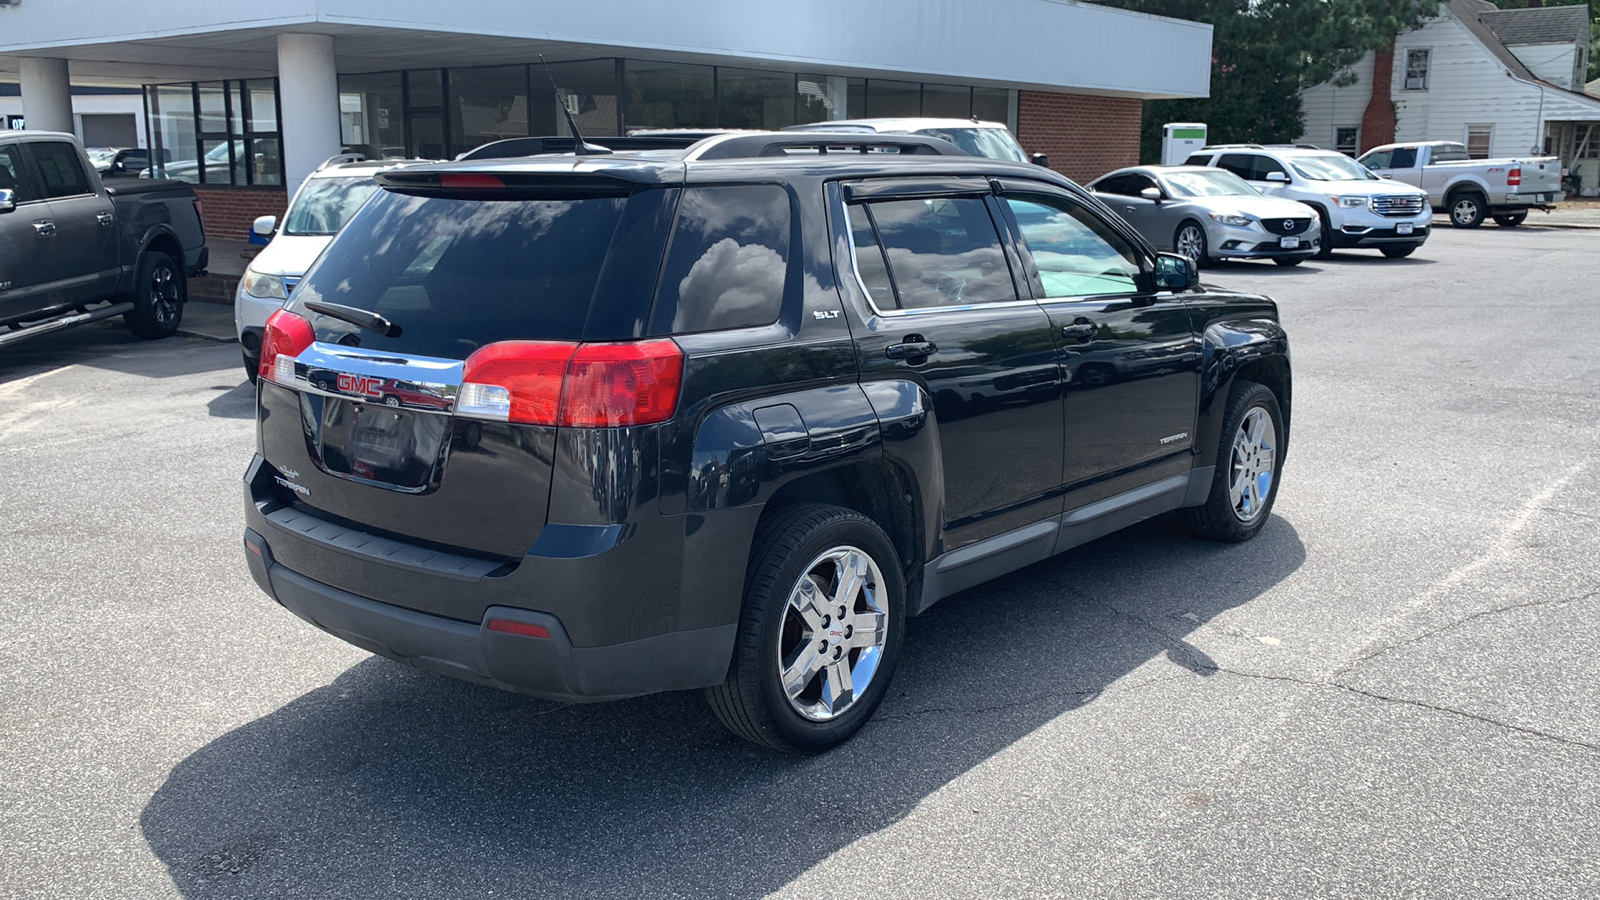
x=1469, y=189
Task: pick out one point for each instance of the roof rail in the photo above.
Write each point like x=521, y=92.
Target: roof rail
x=342, y=158
x=538, y=146
x=1295, y=146
x=741, y=146
x=1233, y=147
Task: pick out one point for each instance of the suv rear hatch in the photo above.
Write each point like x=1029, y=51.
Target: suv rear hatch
x=380, y=408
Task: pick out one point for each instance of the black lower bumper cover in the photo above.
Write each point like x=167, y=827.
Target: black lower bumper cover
x=545, y=667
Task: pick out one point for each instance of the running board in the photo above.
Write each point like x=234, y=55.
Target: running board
x=49, y=325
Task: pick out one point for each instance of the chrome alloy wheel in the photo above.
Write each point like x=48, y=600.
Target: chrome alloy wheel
x=1190, y=242
x=163, y=296
x=834, y=628
x=1251, y=467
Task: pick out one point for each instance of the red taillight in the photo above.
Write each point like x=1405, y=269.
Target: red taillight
x=634, y=383
x=287, y=335
x=200, y=211
x=506, y=626
x=517, y=381
x=1514, y=177
x=573, y=385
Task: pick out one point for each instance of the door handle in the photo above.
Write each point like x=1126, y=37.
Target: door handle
x=913, y=347
x=104, y=218
x=1127, y=209
x=1081, y=330
x=45, y=229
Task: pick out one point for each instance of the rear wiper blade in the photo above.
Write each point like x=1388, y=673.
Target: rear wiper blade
x=371, y=321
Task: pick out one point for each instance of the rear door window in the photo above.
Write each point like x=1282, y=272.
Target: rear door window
x=1404, y=158
x=59, y=169
x=457, y=274
x=936, y=252
x=13, y=177
x=728, y=262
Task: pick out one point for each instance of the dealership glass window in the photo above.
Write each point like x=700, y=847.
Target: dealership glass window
x=893, y=98
x=668, y=95
x=372, y=115
x=217, y=132
x=589, y=91
x=748, y=98
x=992, y=104
x=947, y=101
x=487, y=104
x=819, y=98
x=426, y=87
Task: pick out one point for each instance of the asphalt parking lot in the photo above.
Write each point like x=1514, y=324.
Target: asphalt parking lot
x=1392, y=692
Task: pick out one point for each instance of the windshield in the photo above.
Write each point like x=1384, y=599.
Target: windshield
x=1215, y=183
x=993, y=143
x=327, y=204
x=1330, y=168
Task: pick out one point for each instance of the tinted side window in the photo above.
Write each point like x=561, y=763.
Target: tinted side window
x=942, y=251
x=1237, y=163
x=1262, y=166
x=1198, y=159
x=1128, y=185
x=1404, y=158
x=1077, y=255
x=728, y=261
x=60, y=169
x=13, y=177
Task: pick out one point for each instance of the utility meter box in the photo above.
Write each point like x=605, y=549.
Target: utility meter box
x=1179, y=139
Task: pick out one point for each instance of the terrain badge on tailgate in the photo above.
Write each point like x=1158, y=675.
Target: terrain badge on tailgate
x=302, y=491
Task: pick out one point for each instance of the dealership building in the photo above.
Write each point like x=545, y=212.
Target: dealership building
x=246, y=98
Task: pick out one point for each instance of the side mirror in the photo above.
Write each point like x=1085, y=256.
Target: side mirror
x=1040, y=159
x=264, y=226
x=1278, y=177
x=1175, y=273
x=8, y=201
x=1151, y=194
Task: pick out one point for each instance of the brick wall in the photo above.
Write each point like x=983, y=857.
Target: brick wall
x=229, y=211
x=1085, y=136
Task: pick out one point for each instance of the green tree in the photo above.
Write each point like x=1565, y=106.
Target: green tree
x=1264, y=52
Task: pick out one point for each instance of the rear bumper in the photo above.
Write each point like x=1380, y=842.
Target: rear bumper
x=196, y=261
x=549, y=667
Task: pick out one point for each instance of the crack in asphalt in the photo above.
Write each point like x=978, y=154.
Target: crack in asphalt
x=1028, y=701
x=1435, y=632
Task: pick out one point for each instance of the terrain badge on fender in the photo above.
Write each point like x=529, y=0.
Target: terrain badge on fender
x=1174, y=437
x=302, y=491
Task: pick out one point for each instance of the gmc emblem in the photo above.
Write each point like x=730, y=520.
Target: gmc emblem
x=360, y=384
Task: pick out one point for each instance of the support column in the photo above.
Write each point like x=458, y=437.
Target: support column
x=46, y=94
x=308, y=84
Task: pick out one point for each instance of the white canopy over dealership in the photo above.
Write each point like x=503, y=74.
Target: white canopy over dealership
x=244, y=95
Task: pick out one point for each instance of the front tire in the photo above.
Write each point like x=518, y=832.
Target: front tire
x=1511, y=220
x=159, y=292
x=1399, y=252
x=1288, y=261
x=1249, y=460
x=1325, y=248
x=1466, y=209
x=1190, y=241
x=804, y=676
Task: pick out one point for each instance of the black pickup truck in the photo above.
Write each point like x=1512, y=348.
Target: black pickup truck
x=723, y=417
x=73, y=250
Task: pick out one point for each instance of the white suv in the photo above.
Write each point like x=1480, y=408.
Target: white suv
x=1357, y=208
x=988, y=139
x=323, y=204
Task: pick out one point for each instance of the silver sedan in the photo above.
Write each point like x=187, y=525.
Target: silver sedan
x=1208, y=214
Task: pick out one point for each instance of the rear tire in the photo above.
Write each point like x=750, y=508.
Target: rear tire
x=1399, y=252
x=1466, y=209
x=1511, y=220
x=799, y=682
x=159, y=292
x=1251, y=447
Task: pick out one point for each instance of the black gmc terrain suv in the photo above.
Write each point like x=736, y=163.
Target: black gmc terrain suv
x=723, y=417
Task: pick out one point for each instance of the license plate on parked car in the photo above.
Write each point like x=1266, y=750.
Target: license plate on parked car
x=1403, y=229
x=1289, y=243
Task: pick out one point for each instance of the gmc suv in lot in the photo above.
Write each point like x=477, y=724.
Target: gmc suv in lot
x=724, y=417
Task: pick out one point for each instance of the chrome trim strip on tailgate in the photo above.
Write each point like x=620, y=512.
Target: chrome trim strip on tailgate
x=420, y=383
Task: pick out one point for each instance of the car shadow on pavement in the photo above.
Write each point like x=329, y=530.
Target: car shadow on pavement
x=108, y=345
x=238, y=403
x=392, y=782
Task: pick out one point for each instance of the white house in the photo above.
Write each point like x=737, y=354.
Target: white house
x=1502, y=81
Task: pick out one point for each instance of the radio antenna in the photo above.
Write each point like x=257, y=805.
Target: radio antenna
x=580, y=147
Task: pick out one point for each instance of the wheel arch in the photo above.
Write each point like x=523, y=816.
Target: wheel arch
x=1240, y=349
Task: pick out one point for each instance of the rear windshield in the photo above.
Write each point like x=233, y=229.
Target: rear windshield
x=326, y=204
x=455, y=275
